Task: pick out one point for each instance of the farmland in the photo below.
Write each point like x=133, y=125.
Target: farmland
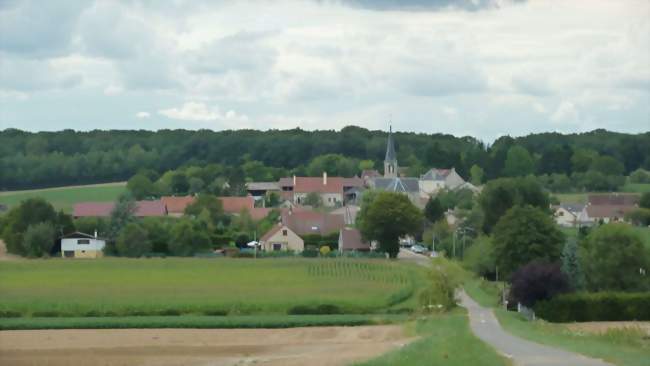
x=180, y=286
x=63, y=198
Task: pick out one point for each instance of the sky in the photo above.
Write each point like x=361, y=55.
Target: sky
x=483, y=68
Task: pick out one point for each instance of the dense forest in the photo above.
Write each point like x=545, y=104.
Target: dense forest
x=31, y=160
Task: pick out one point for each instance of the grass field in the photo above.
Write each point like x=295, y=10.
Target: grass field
x=63, y=198
x=173, y=286
x=621, y=347
x=446, y=340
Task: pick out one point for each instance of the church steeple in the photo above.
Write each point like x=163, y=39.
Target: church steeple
x=390, y=162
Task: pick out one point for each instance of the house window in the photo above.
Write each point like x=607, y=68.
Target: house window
x=284, y=232
x=561, y=213
x=277, y=247
x=83, y=241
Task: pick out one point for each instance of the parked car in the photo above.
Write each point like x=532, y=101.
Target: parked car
x=418, y=249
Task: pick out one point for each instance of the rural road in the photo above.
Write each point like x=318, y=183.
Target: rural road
x=486, y=327
x=524, y=353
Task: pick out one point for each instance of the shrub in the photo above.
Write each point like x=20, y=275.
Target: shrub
x=324, y=250
x=612, y=256
x=640, y=216
x=38, y=239
x=537, y=281
x=603, y=306
x=479, y=258
x=10, y=314
x=310, y=253
x=133, y=241
x=440, y=291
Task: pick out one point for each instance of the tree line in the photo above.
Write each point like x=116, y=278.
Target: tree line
x=595, y=160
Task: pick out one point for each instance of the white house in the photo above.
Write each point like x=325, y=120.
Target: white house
x=567, y=214
x=436, y=179
x=80, y=245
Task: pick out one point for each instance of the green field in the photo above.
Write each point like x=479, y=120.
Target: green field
x=63, y=198
x=446, y=340
x=174, y=286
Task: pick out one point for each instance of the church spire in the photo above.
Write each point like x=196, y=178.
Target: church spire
x=390, y=162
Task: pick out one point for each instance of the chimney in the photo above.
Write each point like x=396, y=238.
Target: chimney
x=294, y=180
x=324, y=178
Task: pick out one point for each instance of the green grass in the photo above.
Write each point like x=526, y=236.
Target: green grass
x=445, y=340
x=64, y=198
x=636, y=187
x=198, y=321
x=122, y=287
x=625, y=348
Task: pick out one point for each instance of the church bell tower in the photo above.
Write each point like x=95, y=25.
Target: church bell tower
x=390, y=162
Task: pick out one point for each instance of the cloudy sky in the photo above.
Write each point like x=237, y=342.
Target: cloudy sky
x=469, y=67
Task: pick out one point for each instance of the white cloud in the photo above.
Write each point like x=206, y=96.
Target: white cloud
x=143, y=115
x=566, y=112
x=198, y=111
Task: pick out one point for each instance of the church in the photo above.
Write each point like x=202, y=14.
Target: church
x=418, y=189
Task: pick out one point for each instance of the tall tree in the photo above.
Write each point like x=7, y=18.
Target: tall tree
x=518, y=163
x=524, y=234
x=571, y=265
x=388, y=217
x=433, y=210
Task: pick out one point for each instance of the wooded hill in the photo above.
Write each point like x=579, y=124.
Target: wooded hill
x=31, y=160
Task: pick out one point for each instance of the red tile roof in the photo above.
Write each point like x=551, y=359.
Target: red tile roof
x=614, y=199
x=608, y=211
x=177, y=204
x=311, y=222
x=103, y=209
x=317, y=184
x=92, y=209
x=234, y=205
x=350, y=239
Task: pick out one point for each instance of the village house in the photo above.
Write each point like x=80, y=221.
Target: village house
x=567, y=214
x=281, y=237
x=607, y=208
x=435, y=180
x=80, y=245
x=350, y=240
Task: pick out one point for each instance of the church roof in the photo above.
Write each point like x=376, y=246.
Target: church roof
x=402, y=185
x=390, y=147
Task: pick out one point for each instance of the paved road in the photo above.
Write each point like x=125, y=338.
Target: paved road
x=522, y=352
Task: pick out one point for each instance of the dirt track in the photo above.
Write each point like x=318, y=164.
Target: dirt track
x=318, y=346
x=4, y=256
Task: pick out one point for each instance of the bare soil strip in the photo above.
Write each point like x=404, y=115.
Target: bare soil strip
x=602, y=327
x=318, y=346
x=4, y=256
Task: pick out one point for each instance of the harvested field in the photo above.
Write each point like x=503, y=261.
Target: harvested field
x=318, y=346
x=602, y=327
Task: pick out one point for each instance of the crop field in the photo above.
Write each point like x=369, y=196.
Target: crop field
x=63, y=198
x=180, y=286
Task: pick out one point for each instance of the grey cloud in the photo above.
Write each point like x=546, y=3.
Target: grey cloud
x=243, y=51
x=38, y=28
x=34, y=75
x=106, y=30
x=440, y=79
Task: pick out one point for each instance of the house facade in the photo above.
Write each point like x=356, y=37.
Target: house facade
x=350, y=240
x=567, y=215
x=280, y=238
x=81, y=245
